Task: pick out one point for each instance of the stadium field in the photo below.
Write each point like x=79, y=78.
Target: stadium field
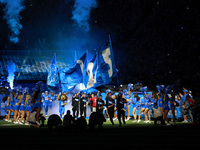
x=132, y=135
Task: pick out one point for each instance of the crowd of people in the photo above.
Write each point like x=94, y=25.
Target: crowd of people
x=116, y=105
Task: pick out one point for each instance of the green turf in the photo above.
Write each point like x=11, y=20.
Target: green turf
x=107, y=124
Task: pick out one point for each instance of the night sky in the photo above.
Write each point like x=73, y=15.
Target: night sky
x=154, y=42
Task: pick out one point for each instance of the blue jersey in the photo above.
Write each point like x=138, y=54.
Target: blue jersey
x=53, y=98
x=45, y=98
x=9, y=106
x=128, y=98
x=172, y=101
x=62, y=103
x=165, y=102
x=22, y=107
x=37, y=103
x=183, y=99
x=138, y=105
x=134, y=101
x=146, y=103
x=52, y=103
x=142, y=102
x=16, y=104
x=28, y=106
x=160, y=102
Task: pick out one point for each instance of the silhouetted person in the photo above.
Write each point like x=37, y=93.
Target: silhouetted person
x=54, y=121
x=81, y=123
x=42, y=119
x=67, y=121
x=96, y=118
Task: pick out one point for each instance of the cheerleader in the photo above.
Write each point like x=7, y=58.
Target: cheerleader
x=128, y=104
x=160, y=103
x=5, y=100
x=172, y=106
x=8, y=103
x=21, y=111
x=140, y=107
x=17, y=101
x=166, y=107
x=28, y=107
x=36, y=100
x=146, y=109
x=134, y=102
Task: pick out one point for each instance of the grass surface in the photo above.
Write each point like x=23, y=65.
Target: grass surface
x=107, y=124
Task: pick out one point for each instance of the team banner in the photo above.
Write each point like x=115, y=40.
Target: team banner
x=53, y=79
x=73, y=75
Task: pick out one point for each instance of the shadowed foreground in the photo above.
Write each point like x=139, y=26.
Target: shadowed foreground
x=143, y=136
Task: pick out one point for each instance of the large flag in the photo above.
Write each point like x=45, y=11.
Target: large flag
x=73, y=75
x=101, y=70
x=107, y=64
x=92, y=75
x=52, y=79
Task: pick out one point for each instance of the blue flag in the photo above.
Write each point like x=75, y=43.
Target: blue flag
x=92, y=75
x=52, y=79
x=73, y=75
x=107, y=64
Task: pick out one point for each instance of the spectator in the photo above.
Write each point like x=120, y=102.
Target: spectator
x=67, y=121
x=54, y=121
x=158, y=115
x=96, y=118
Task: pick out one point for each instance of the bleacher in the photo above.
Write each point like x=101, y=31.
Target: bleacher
x=31, y=67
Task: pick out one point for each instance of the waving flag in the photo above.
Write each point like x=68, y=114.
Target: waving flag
x=101, y=70
x=73, y=75
x=52, y=79
x=92, y=74
x=107, y=64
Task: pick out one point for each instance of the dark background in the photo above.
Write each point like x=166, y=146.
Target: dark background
x=154, y=42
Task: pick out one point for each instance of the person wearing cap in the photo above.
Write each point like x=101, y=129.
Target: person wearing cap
x=185, y=91
x=182, y=102
x=110, y=102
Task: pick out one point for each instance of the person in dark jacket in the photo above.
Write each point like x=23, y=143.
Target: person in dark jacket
x=120, y=108
x=110, y=102
x=75, y=105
